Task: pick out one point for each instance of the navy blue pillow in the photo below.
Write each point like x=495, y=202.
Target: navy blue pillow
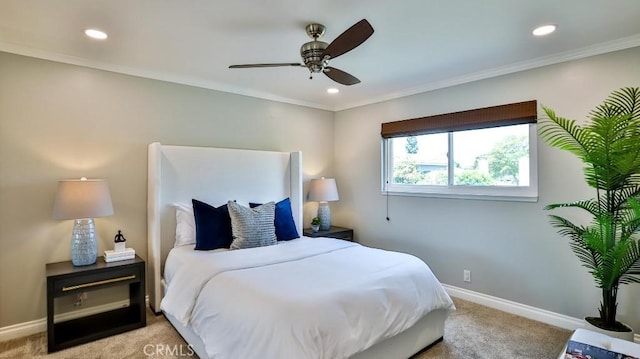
x=213, y=226
x=285, y=226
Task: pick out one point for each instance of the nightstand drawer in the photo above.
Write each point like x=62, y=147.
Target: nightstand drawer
x=100, y=279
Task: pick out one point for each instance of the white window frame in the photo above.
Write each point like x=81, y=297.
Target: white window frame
x=499, y=193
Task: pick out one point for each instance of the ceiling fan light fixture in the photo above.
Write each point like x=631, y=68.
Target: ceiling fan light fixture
x=332, y=90
x=544, y=30
x=316, y=54
x=96, y=34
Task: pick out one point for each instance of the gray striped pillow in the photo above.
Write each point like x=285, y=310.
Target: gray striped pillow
x=252, y=227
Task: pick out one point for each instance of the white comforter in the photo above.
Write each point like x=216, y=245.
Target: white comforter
x=306, y=298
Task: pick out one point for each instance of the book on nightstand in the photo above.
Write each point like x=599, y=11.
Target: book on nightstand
x=113, y=256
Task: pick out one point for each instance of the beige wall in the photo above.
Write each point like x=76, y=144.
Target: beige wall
x=63, y=121
x=510, y=248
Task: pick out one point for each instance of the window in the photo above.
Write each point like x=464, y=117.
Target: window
x=488, y=153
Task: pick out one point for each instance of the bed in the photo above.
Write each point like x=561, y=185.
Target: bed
x=194, y=299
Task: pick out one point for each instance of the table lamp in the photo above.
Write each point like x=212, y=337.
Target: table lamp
x=323, y=190
x=83, y=200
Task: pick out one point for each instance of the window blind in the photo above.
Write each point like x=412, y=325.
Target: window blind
x=503, y=115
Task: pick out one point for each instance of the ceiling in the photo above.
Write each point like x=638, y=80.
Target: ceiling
x=418, y=45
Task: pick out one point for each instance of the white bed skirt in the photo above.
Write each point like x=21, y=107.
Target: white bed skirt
x=425, y=332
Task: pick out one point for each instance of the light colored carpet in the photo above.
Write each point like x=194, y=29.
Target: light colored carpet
x=472, y=332
x=478, y=332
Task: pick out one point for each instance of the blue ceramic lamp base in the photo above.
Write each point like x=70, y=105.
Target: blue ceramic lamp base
x=84, y=246
x=325, y=216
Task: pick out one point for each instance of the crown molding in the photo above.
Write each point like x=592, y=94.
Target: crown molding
x=593, y=50
x=153, y=75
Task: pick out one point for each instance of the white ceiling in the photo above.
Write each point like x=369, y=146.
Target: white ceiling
x=418, y=45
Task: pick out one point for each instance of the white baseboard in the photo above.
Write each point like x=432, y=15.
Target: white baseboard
x=540, y=315
x=23, y=329
x=523, y=310
x=40, y=325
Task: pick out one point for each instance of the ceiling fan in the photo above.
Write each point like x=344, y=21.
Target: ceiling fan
x=316, y=54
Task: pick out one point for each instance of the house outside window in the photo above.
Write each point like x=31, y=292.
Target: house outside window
x=487, y=153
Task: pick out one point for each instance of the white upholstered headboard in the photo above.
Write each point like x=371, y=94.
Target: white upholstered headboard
x=176, y=174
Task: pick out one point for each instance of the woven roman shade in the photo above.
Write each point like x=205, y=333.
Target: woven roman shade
x=503, y=115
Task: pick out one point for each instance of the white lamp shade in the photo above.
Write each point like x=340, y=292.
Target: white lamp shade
x=323, y=190
x=85, y=198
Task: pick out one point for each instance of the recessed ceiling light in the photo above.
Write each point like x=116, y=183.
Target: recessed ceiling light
x=333, y=90
x=95, y=34
x=544, y=30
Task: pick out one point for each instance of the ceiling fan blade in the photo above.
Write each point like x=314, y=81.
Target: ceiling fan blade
x=247, y=66
x=340, y=76
x=350, y=39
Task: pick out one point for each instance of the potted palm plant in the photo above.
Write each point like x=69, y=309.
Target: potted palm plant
x=315, y=224
x=609, y=146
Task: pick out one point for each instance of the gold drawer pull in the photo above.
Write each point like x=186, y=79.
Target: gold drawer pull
x=92, y=284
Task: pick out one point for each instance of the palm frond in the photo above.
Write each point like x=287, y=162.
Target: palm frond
x=562, y=133
x=620, y=197
x=625, y=100
x=630, y=217
x=632, y=275
x=589, y=258
x=565, y=227
x=588, y=205
x=614, y=266
x=630, y=264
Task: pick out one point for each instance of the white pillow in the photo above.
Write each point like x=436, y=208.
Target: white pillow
x=185, y=225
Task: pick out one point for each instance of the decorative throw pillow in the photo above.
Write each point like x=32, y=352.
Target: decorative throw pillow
x=185, y=225
x=252, y=227
x=213, y=226
x=285, y=225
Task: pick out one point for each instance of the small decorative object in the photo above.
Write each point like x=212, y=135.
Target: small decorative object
x=120, y=252
x=119, y=242
x=315, y=224
x=323, y=190
x=83, y=200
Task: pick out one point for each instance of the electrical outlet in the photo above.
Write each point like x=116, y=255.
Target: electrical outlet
x=467, y=275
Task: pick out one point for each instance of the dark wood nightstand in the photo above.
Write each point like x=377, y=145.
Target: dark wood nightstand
x=63, y=279
x=333, y=232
